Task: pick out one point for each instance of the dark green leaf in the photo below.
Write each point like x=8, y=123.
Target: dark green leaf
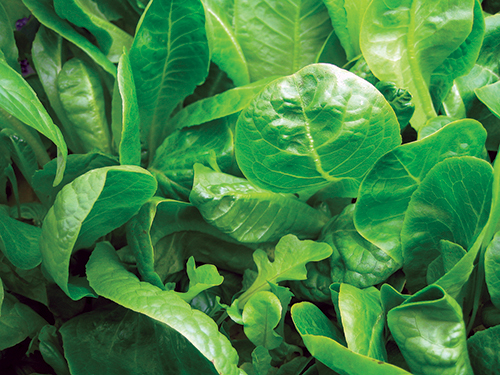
x=8, y=46
x=134, y=344
x=483, y=351
x=400, y=101
x=169, y=58
x=491, y=267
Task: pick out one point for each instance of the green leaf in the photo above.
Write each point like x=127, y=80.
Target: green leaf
x=430, y=331
x=355, y=260
x=110, y=279
x=279, y=38
x=483, y=351
x=387, y=189
x=460, y=61
x=261, y=315
x=19, y=242
x=125, y=114
x=77, y=165
x=17, y=322
x=433, y=125
x=261, y=361
x=363, y=320
x=21, y=153
x=347, y=17
x=7, y=42
x=290, y=258
x=90, y=207
x=78, y=79
x=47, y=57
x=491, y=267
x=19, y=100
x=169, y=58
x=200, y=278
x=51, y=349
x=210, y=144
x=318, y=126
x=44, y=11
x=218, y=106
x=320, y=338
x=110, y=38
x=133, y=343
x=249, y=214
x=404, y=41
x=489, y=96
x=452, y=203
x=224, y=47
x=400, y=101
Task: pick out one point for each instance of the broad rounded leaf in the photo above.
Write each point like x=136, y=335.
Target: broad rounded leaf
x=320, y=125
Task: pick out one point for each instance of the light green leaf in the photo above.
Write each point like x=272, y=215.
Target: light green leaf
x=110, y=279
x=321, y=339
x=133, y=343
x=90, y=207
x=387, y=189
x=261, y=315
x=491, y=269
x=460, y=61
x=224, y=47
x=483, y=351
x=452, y=203
x=318, y=126
x=19, y=242
x=290, y=258
x=249, y=214
x=17, y=322
x=169, y=58
x=430, y=331
x=355, y=260
x=347, y=17
x=82, y=97
x=7, y=42
x=489, y=95
x=404, y=41
x=363, y=320
x=110, y=38
x=125, y=114
x=218, y=106
x=44, y=11
x=200, y=279
x=433, y=125
x=210, y=144
x=261, y=361
x=19, y=100
x=279, y=38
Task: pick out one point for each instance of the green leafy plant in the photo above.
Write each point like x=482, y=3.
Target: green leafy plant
x=249, y=187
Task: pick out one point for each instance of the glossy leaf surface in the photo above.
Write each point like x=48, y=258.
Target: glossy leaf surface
x=388, y=187
x=249, y=214
x=89, y=207
x=318, y=126
x=131, y=341
x=169, y=58
x=405, y=41
x=321, y=340
x=110, y=279
x=452, y=203
x=429, y=329
x=279, y=38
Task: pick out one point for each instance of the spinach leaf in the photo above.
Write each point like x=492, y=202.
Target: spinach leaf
x=318, y=126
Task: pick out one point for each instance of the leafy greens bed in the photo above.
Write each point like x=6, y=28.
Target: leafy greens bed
x=249, y=186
